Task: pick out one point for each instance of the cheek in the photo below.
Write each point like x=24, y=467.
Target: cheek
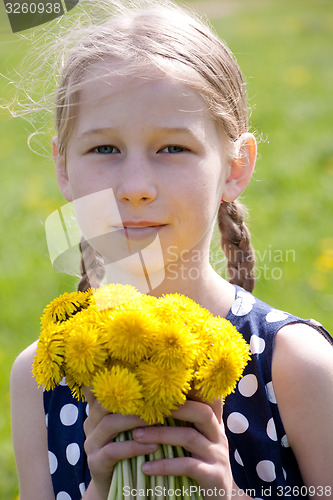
x=96, y=213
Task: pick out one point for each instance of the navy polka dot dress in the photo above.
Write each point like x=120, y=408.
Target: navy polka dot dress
x=263, y=463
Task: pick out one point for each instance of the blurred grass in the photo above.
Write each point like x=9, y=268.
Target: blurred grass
x=284, y=48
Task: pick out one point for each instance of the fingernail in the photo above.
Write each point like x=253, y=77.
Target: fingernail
x=139, y=433
x=146, y=467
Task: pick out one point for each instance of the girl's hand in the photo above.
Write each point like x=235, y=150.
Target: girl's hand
x=209, y=464
x=101, y=428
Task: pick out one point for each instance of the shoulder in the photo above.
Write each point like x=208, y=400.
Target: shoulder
x=300, y=346
x=29, y=429
x=302, y=371
x=22, y=384
x=23, y=366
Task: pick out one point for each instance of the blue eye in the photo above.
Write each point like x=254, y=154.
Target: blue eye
x=173, y=149
x=106, y=150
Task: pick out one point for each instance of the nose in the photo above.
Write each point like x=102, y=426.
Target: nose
x=137, y=183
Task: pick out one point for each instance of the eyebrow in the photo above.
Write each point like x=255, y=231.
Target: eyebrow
x=158, y=130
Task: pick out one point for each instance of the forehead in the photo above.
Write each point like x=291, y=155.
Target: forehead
x=118, y=91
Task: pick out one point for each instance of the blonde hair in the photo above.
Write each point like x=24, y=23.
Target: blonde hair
x=172, y=39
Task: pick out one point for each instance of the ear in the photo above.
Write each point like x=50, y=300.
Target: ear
x=241, y=167
x=61, y=171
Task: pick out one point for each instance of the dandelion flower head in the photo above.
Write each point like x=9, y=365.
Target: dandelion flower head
x=175, y=305
x=218, y=376
x=118, y=390
x=166, y=386
x=113, y=295
x=131, y=334
x=63, y=307
x=85, y=351
x=175, y=343
x=48, y=360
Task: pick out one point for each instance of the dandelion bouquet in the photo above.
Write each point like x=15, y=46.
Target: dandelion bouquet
x=140, y=355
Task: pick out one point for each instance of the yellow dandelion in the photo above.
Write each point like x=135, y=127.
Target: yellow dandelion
x=145, y=303
x=48, y=362
x=164, y=386
x=64, y=307
x=85, y=352
x=75, y=388
x=131, y=334
x=153, y=413
x=113, y=295
x=118, y=390
x=218, y=376
x=176, y=306
x=174, y=344
x=212, y=332
x=90, y=316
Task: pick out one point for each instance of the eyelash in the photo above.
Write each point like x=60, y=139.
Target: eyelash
x=95, y=150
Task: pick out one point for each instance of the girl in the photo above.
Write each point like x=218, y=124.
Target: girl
x=152, y=144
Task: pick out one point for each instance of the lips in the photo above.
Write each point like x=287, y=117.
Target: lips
x=141, y=230
x=142, y=223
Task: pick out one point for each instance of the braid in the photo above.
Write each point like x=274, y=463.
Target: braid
x=236, y=244
x=92, y=267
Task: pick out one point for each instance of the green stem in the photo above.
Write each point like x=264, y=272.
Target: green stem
x=170, y=480
x=160, y=482
x=152, y=480
x=140, y=476
x=119, y=472
x=113, y=486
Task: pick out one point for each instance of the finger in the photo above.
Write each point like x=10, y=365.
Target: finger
x=120, y=450
x=89, y=396
x=216, y=405
x=203, y=416
x=185, y=437
x=95, y=412
x=108, y=428
x=106, y=457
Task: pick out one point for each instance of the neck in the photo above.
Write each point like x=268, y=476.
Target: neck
x=200, y=283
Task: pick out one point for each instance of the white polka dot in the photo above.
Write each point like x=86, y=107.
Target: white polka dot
x=285, y=442
x=266, y=471
x=82, y=488
x=248, y=385
x=47, y=420
x=276, y=315
x=271, y=430
x=270, y=392
x=73, y=453
x=243, y=304
x=53, y=462
x=237, y=423
x=238, y=458
x=69, y=414
x=257, y=344
x=62, y=495
x=284, y=473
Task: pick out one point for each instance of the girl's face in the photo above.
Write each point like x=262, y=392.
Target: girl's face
x=145, y=159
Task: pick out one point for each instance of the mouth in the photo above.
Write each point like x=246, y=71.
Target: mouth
x=143, y=223
x=141, y=230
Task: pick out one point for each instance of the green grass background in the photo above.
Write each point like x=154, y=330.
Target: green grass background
x=284, y=48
